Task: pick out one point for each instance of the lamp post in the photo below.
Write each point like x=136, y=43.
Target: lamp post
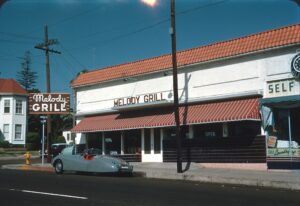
x=43, y=121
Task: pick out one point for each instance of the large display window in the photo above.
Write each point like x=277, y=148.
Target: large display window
x=284, y=133
x=112, y=142
x=132, y=141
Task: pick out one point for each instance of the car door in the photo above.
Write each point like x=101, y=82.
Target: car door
x=79, y=163
x=72, y=161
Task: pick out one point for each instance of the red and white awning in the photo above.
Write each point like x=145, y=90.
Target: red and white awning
x=225, y=111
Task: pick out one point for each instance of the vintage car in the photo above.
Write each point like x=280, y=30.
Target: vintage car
x=90, y=160
x=55, y=148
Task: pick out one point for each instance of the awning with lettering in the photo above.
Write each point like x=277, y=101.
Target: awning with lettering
x=223, y=111
x=281, y=102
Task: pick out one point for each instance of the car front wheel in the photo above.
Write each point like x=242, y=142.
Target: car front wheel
x=58, y=167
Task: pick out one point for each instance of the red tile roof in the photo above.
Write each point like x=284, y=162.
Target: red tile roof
x=11, y=86
x=231, y=110
x=270, y=39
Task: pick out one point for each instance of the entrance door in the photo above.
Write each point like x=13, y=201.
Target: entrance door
x=151, y=145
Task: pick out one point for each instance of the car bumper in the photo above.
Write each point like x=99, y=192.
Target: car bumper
x=126, y=169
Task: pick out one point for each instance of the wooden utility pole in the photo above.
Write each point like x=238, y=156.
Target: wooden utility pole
x=175, y=88
x=45, y=46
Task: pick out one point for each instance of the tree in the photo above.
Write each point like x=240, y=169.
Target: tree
x=61, y=123
x=82, y=72
x=26, y=77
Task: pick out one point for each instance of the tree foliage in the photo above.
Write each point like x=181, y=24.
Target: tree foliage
x=26, y=77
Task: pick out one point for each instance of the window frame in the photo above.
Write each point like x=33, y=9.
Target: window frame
x=19, y=132
x=6, y=132
x=21, y=108
x=5, y=106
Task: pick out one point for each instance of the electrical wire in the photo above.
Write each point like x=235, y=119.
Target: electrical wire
x=107, y=41
x=75, y=59
x=19, y=35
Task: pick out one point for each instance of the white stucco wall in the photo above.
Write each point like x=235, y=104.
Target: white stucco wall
x=228, y=78
x=236, y=77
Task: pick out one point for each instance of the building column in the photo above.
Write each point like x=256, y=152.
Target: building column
x=103, y=143
x=142, y=142
x=152, y=140
x=262, y=131
x=122, y=143
x=191, y=131
x=161, y=140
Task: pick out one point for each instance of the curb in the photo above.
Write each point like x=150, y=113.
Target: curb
x=28, y=168
x=223, y=180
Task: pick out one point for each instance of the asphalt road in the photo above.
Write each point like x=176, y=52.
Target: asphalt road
x=38, y=188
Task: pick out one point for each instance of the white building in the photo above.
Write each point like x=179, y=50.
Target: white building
x=67, y=135
x=127, y=109
x=13, y=112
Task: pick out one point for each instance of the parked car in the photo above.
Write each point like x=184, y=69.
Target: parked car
x=90, y=160
x=55, y=148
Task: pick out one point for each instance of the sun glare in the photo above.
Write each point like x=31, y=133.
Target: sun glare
x=151, y=3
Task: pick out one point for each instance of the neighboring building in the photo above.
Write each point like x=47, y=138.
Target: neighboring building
x=127, y=109
x=67, y=135
x=13, y=112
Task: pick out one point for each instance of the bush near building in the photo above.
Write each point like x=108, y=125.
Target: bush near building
x=33, y=141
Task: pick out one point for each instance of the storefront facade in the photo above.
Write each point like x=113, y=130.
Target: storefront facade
x=127, y=109
x=281, y=115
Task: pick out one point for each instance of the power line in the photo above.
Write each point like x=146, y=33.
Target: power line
x=69, y=53
x=200, y=7
x=62, y=73
x=15, y=42
x=69, y=64
x=19, y=35
x=105, y=42
x=74, y=16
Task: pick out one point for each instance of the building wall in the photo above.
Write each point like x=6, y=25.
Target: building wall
x=14, y=119
x=241, y=76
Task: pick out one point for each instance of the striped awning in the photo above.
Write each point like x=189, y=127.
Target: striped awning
x=225, y=111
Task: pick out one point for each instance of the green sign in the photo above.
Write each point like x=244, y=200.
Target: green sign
x=283, y=152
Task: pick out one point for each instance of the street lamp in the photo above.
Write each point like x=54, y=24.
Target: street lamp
x=43, y=121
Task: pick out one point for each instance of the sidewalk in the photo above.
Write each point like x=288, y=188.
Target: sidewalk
x=18, y=157
x=284, y=179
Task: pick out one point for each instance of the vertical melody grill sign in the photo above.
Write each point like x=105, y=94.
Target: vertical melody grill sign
x=49, y=103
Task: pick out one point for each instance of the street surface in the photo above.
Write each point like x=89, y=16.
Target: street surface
x=41, y=188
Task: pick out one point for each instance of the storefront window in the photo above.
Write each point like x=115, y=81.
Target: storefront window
x=295, y=129
x=284, y=135
x=94, y=140
x=244, y=128
x=169, y=133
x=132, y=141
x=207, y=131
x=112, y=143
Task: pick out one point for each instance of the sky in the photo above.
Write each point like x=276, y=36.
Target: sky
x=94, y=34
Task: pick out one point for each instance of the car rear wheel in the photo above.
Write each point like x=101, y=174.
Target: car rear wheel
x=59, y=169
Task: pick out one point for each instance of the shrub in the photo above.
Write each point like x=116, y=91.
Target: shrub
x=32, y=146
x=33, y=141
x=4, y=144
x=59, y=139
x=33, y=137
